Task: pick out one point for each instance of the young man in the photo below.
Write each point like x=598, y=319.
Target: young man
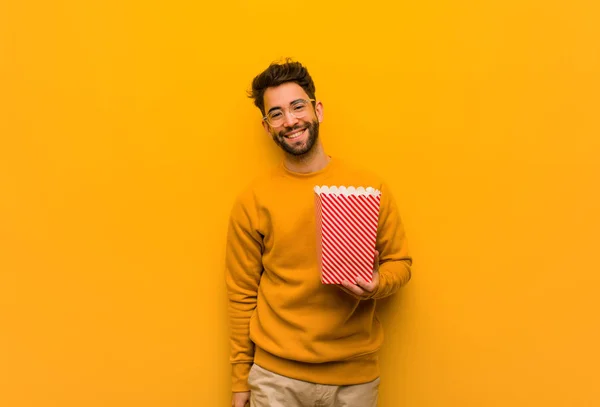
x=294, y=340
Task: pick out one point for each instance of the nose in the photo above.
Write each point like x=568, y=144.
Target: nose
x=290, y=119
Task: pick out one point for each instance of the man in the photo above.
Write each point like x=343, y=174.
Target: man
x=296, y=341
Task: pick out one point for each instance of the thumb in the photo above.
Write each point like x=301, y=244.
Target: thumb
x=376, y=261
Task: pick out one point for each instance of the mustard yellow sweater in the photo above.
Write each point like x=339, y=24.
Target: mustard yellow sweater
x=281, y=316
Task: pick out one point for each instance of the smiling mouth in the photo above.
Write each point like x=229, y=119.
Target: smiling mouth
x=295, y=135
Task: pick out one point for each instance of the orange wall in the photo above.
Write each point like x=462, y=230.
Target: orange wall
x=125, y=133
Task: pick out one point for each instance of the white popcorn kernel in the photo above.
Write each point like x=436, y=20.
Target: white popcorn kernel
x=346, y=190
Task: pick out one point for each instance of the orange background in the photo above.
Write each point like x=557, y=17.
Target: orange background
x=125, y=133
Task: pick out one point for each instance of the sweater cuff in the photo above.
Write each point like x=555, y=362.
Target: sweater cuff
x=392, y=276
x=239, y=377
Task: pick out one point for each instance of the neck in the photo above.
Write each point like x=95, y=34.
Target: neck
x=314, y=160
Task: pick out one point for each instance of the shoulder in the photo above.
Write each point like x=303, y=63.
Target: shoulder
x=356, y=169
x=250, y=193
x=358, y=173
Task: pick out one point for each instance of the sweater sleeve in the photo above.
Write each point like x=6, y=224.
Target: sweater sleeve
x=395, y=261
x=243, y=263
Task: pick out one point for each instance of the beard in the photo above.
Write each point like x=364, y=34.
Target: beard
x=293, y=148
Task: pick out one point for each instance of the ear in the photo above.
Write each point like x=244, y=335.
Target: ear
x=319, y=111
x=266, y=127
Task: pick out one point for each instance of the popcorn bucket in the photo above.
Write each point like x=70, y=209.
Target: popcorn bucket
x=347, y=219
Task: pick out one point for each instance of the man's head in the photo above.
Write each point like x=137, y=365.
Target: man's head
x=285, y=95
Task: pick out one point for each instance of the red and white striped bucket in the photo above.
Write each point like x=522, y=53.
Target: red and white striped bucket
x=347, y=219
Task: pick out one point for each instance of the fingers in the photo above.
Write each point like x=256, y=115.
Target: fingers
x=371, y=286
x=361, y=288
x=240, y=403
x=352, y=289
x=368, y=287
x=240, y=399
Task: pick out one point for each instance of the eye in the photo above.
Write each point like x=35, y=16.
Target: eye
x=298, y=107
x=275, y=115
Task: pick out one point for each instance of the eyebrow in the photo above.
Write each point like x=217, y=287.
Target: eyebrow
x=278, y=107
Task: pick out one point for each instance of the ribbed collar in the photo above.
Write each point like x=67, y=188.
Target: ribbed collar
x=331, y=165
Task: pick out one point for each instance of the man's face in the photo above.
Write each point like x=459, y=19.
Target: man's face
x=295, y=135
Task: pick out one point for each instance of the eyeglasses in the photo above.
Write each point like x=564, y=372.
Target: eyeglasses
x=299, y=108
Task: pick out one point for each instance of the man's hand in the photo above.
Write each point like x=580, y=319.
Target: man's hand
x=240, y=399
x=362, y=289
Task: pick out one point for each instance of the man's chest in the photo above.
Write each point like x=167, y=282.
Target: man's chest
x=289, y=221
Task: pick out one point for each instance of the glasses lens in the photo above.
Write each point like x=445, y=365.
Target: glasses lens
x=298, y=109
x=275, y=118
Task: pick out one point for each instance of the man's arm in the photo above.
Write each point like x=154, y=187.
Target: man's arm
x=395, y=261
x=392, y=264
x=243, y=263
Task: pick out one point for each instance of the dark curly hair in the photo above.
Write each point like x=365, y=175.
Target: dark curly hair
x=277, y=74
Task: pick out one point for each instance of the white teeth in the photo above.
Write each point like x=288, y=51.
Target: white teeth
x=295, y=135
